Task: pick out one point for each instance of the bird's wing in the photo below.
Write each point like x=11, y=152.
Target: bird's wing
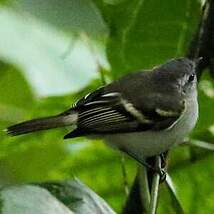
x=108, y=113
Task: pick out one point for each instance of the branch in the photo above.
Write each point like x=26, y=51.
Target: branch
x=202, y=144
x=202, y=43
x=144, y=187
x=134, y=204
x=155, y=188
x=100, y=68
x=124, y=173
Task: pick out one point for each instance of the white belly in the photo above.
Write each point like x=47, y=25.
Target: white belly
x=150, y=143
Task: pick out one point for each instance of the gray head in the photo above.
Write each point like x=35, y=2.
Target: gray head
x=181, y=73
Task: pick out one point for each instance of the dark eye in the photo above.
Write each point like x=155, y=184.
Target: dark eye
x=191, y=77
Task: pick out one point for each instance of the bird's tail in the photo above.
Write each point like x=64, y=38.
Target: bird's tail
x=42, y=124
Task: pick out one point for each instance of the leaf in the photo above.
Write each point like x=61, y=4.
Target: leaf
x=69, y=16
x=78, y=197
x=29, y=199
x=53, y=197
x=51, y=60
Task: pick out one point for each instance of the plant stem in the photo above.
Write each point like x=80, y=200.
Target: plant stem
x=202, y=144
x=155, y=188
x=144, y=187
x=125, y=177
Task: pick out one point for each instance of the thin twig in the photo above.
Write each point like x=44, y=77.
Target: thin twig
x=202, y=41
x=68, y=49
x=155, y=188
x=124, y=173
x=201, y=30
x=144, y=187
x=172, y=191
x=100, y=69
x=202, y=144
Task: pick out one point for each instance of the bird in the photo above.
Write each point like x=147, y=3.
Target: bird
x=143, y=114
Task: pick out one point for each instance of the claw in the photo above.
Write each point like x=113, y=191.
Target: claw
x=162, y=173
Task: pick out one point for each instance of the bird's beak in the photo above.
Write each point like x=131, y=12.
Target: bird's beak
x=198, y=60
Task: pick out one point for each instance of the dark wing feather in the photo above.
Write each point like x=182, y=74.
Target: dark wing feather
x=108, y=113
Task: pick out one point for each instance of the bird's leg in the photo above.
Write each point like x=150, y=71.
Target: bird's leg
x=139, y=160
x=163, y=157
x=161, y=171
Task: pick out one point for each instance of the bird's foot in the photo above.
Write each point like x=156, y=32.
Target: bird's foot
x=162, y=173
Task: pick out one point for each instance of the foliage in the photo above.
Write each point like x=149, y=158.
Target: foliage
x=51, y=54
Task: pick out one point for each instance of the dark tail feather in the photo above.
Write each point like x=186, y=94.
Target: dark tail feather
x=42, y=124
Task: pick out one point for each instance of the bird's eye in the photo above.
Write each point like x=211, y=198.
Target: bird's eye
x=191, y=77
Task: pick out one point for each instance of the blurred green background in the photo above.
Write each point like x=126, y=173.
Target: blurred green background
x=53, y=52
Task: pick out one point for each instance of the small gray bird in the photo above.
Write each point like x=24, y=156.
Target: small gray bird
x=143, y=114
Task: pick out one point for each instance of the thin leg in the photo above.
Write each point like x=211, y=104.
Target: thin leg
x=161, y=171
x=141, y=161
x=162, y=174
x=163, y=157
